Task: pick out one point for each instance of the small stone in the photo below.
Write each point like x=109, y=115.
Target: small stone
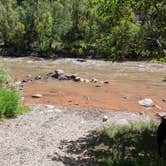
x=94, y=80
x=29, y=76
x=37, y=96
x=105, y=118
x=73, y=76
x=81, y=80
x=77, y=79
x=86, y=81
x=18, y=82
x=38, y=77
x=106, y=82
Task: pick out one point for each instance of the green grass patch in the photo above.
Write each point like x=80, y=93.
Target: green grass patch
x=10, y=105
x=132, y=145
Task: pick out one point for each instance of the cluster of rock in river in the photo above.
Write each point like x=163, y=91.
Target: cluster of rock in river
x=58, y=75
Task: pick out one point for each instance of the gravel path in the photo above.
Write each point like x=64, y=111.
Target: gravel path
x=33, y=138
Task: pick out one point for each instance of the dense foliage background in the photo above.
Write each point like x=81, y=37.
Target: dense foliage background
x=111, y=29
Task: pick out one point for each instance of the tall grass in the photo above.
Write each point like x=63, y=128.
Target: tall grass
x=10, y=104
x=133, y=145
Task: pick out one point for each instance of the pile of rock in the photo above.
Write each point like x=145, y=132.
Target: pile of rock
x=61, y=75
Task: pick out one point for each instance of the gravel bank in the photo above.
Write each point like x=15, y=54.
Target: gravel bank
x=32, y=139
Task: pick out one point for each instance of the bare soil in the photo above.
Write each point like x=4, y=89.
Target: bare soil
x=119, y=96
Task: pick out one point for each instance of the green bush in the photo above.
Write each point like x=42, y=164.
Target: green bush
x=9, y=102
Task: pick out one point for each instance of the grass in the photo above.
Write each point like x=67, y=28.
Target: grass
x=133, y=145
x=10, y=105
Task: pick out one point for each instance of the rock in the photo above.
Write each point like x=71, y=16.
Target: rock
x=94, y=80
x=23, y=81
x=86, y=81
x=146, y=102
x=18, y=83
x=38, y=77
x=73, y=76
x=81, y=80
x=59, y=72
x=29, y=76
x=77, y=79
x=106, y=82
x=63, y=77
x=105, y=118
x=37, y=95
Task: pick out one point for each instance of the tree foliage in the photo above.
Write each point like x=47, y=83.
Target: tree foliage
x=112, y=29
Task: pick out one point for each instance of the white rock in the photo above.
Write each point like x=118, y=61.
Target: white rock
x=77, y=79
x=105, y=118
x=18, y=82
x=81, y=80
x=146, y=102
x=86, y=81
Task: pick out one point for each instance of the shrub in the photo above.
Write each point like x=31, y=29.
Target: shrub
x=9, y=102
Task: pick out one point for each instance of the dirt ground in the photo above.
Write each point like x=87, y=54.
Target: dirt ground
x=129, y=82
x=119, y=96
